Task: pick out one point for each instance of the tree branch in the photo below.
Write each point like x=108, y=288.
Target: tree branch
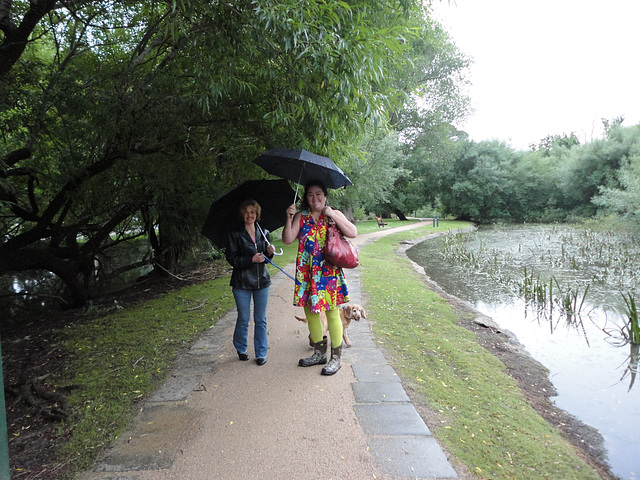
x=16, y=39
x=11, y=158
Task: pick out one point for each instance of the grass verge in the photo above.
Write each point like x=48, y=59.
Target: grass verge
x=485, y=421
x=118, y=359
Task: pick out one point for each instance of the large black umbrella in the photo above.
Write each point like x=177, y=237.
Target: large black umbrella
x=301, y=166
x=274, y=196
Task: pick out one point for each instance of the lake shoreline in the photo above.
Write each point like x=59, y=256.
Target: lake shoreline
x=532, y=376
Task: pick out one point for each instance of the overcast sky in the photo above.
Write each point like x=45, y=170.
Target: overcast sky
x=547, y=67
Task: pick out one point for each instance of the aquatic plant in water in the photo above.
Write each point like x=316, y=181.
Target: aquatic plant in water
x=631, y=330
x=550, y=297
x=572, y=300
x=629, y=333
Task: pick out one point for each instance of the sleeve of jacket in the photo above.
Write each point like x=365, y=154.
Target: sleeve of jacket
x=236, y=256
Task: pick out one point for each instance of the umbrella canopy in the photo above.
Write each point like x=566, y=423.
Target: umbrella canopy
x=274, y=196
x=301, y=166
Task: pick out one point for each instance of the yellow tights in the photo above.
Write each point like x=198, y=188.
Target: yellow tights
x=317, y=331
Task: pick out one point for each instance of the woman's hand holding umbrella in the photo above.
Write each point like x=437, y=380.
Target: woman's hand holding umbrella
x=291, y=211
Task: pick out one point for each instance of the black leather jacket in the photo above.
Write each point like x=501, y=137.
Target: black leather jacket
x=247, y=275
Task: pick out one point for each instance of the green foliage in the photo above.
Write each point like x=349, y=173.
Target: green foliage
x=127, y=119
x=625, y=199
x=552, y=143
x=398, y=169
x=434, y=81
x=480, y=186
x=375, y=171
x=558, y=181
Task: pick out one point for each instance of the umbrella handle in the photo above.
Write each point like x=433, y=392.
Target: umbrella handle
x=267, y=240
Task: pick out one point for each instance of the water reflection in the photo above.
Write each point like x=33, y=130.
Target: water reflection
x=631, y=369
x=594, y=378
x=33, y=291
x=36, y=291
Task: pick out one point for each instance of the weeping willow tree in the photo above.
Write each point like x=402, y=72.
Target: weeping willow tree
x=122, y=120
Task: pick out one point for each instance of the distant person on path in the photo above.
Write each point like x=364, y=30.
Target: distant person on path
x=319, y=287
x=246, y=250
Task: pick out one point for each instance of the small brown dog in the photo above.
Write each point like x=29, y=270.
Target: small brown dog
x=347, y=313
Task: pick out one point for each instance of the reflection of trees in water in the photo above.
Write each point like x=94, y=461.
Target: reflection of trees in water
x=34, y=290
x=39, y=290
x=559, y=318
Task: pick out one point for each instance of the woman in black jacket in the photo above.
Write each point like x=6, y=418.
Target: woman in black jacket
x=246, y=251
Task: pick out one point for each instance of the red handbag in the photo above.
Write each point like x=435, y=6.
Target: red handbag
x=338, y=250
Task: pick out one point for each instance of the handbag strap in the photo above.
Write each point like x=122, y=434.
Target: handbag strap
x=332, y=224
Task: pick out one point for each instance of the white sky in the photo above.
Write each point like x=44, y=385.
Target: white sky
x=547, y=67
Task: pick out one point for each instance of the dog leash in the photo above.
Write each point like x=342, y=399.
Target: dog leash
x=269, y=261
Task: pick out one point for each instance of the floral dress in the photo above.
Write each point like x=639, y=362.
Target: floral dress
x=319, y=286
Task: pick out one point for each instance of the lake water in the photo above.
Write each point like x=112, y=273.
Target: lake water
x=592, y=368
x=36, y=291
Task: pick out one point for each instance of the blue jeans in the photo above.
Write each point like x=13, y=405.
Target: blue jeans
x=241, y=333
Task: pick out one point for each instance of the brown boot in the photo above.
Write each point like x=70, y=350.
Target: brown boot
x=334, y=364
x=319, y=356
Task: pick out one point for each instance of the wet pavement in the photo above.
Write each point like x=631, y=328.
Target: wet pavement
x=217, y=417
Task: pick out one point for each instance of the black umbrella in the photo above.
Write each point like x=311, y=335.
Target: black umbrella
x=301, y=166
x=274, y=196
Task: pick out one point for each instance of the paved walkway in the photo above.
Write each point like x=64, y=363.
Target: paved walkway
x=219, y=418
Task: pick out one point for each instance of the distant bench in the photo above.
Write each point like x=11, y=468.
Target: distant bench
x=380, y=222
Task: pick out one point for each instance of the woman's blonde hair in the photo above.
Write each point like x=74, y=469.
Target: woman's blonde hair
x=250, y=203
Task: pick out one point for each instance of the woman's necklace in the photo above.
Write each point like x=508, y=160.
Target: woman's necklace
x=252, y=235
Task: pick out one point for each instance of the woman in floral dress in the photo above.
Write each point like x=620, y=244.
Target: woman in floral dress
x=319, y=287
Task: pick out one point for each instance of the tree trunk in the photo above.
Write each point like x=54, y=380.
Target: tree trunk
x=399, y=214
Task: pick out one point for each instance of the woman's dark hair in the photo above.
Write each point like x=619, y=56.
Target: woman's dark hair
x=250, y=203
x=311, y=183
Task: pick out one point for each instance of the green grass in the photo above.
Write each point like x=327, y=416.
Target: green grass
x=118, y=359
x=486, y=422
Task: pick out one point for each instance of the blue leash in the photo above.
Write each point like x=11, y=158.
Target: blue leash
x=269, y=261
